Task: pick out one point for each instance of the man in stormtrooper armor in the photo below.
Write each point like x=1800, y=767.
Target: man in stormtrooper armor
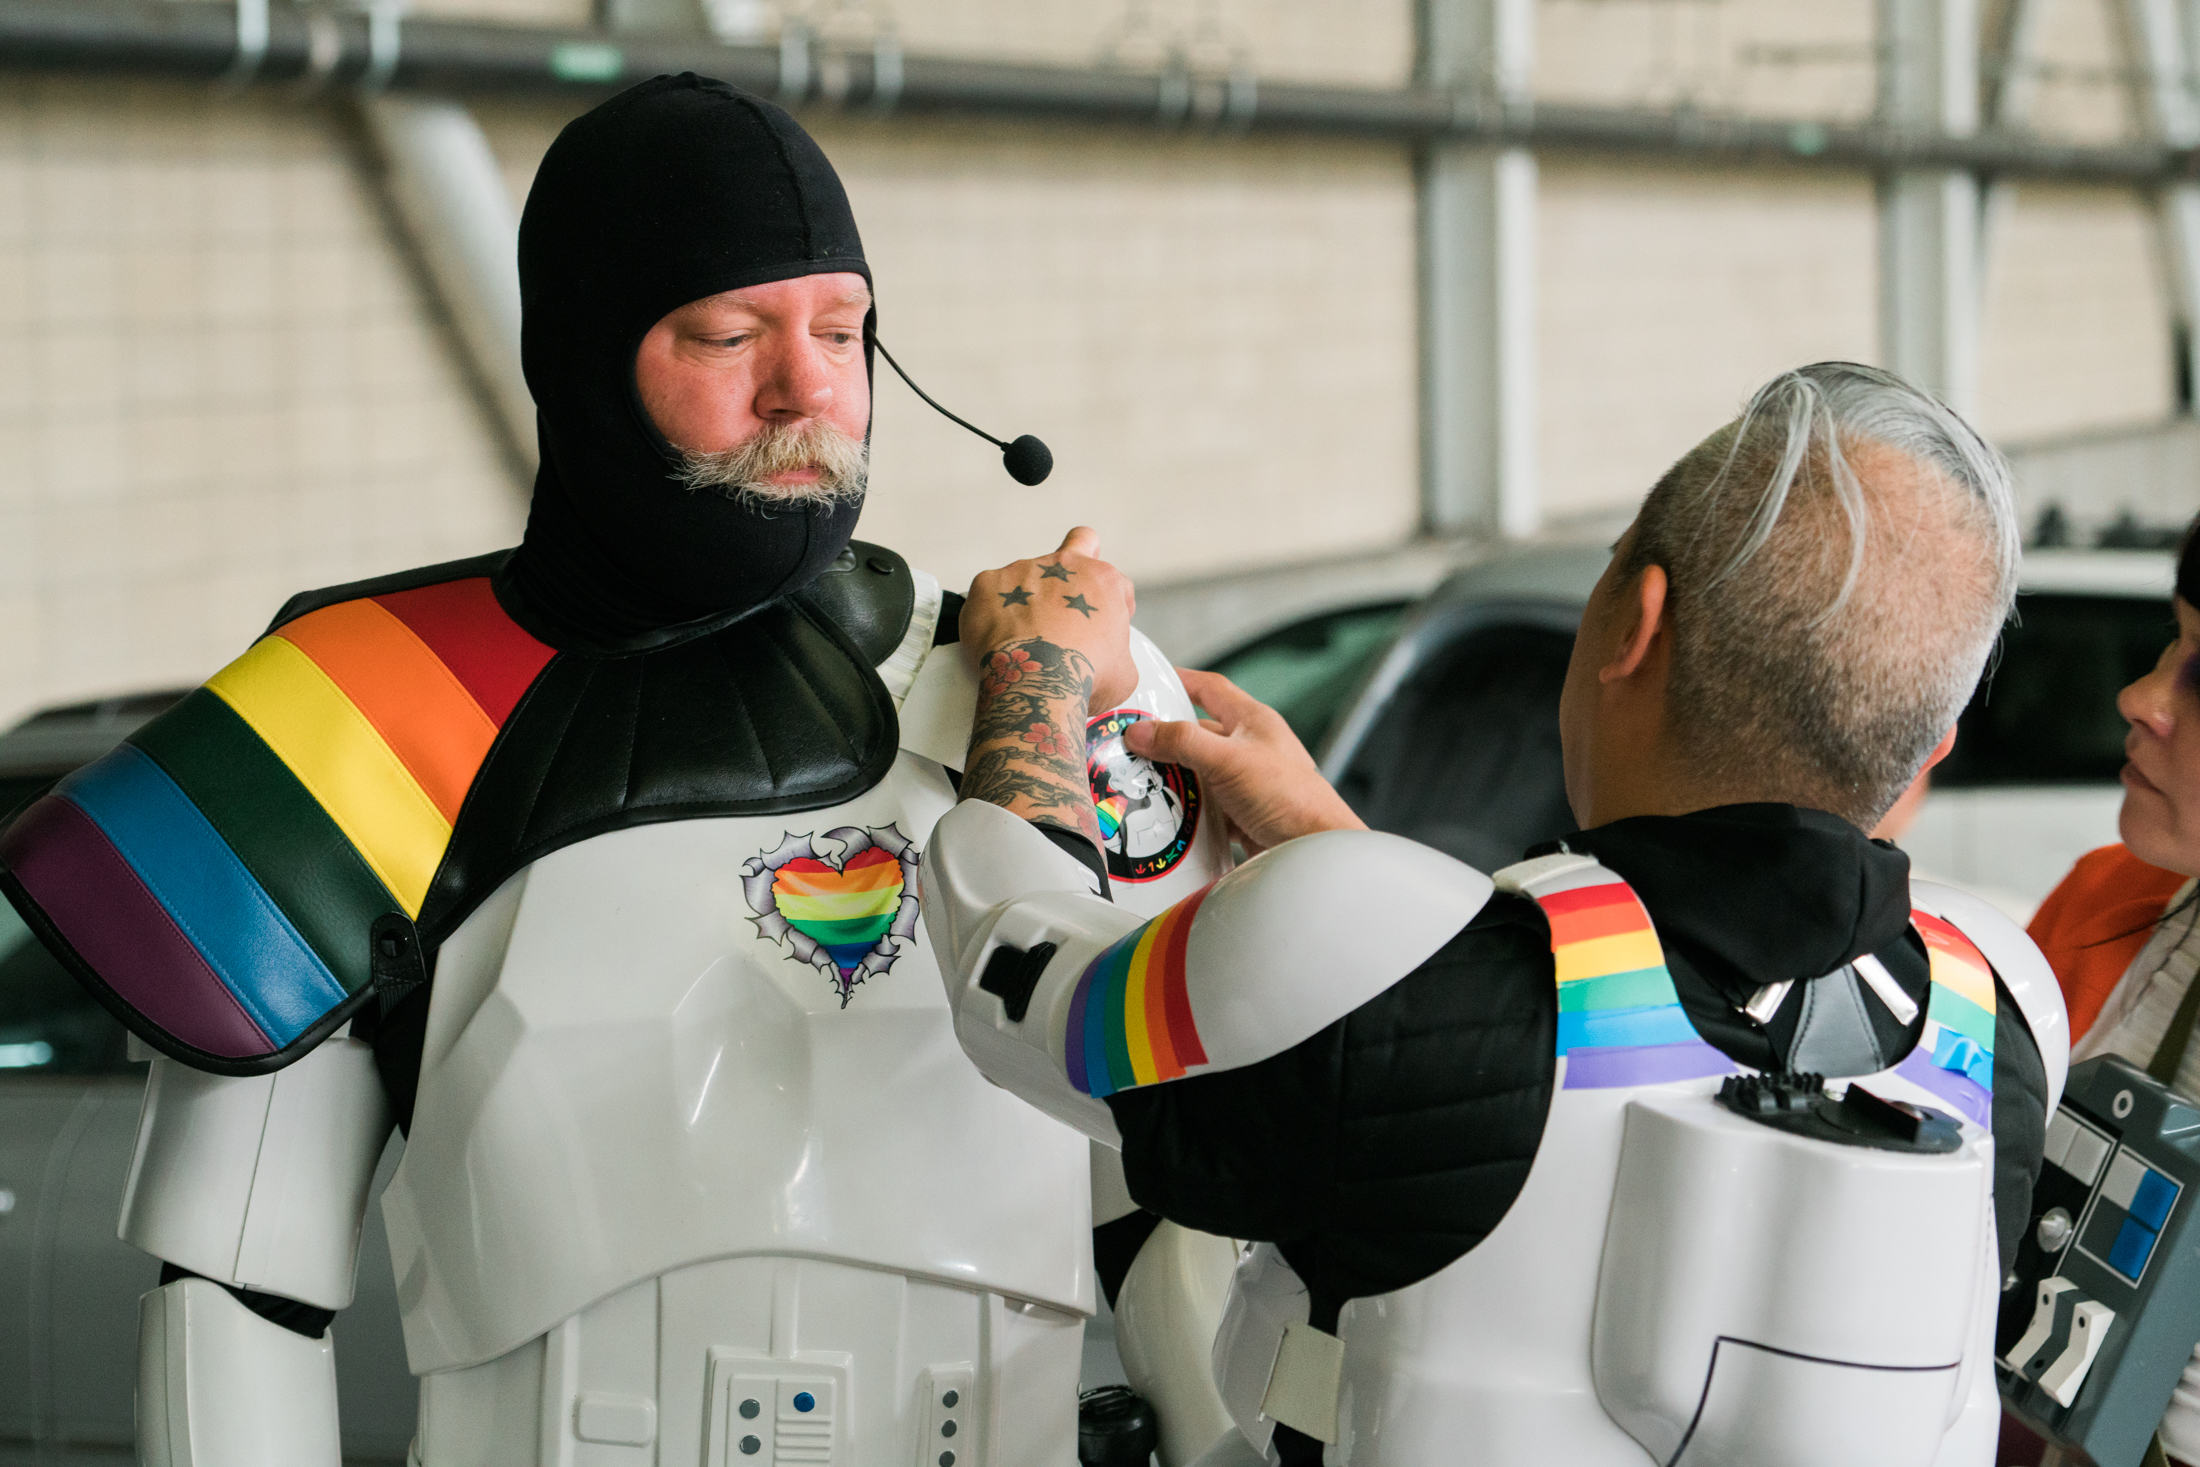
x=1546, y=1168
x=592, y=865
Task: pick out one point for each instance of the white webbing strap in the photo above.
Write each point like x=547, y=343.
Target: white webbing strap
x=1302, y=1388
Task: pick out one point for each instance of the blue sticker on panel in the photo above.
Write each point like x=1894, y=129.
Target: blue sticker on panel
x=2134, y=1244
x=2152, y=1201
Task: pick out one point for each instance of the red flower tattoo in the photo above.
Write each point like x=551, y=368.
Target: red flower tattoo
x=1004, y=669
x=1042, y=740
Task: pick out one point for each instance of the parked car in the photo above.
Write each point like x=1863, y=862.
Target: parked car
x=69, y=1094
x=1438, y=718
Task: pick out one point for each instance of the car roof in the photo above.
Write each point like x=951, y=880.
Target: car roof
x=54, y=741
x=1568, y=572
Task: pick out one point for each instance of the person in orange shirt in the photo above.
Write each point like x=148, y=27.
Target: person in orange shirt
x=2122, y=931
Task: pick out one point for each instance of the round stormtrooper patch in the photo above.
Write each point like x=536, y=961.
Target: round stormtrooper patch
x=1148, y=812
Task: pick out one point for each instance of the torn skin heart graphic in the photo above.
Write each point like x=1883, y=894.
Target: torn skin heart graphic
x=844, y=916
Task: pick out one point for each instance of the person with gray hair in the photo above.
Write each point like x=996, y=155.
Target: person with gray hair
x=1544, y=1166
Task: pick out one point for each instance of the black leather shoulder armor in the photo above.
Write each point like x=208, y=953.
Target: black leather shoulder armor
x=870, y=593
x=780, y=712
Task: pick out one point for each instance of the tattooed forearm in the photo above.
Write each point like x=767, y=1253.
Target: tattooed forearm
x=1027, y=747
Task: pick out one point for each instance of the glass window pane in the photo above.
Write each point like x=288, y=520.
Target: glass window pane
x=1465, y=756
x=1308, y=670
x=2045, y=713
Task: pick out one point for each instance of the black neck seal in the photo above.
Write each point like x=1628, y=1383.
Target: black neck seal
x=673, y=190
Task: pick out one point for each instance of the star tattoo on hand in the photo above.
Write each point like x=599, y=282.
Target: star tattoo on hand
x=1079, y=605
x=1017, y=597
x=1055, y=572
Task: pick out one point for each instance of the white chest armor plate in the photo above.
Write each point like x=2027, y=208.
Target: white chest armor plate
x=698, y=1172
x=1674, y=1284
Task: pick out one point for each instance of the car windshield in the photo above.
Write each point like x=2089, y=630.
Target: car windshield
x=1464, y=756
x=2045, y=713
x=1308, y=671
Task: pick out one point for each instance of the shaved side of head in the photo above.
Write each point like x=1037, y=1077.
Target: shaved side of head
x=1840, y=559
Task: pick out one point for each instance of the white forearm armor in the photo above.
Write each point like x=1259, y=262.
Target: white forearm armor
x=258, y=1182
x=218, y=1386
x=1065, y=999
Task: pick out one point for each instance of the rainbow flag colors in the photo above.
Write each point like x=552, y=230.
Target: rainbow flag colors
x=1111, y=811
x=220, y=871
x=1954, y=1058
x=1620, y=1022
x=1130, y=1017
x=847, y=909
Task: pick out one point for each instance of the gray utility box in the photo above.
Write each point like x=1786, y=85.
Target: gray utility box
x=2104, y=1306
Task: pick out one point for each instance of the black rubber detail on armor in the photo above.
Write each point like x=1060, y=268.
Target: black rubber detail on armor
x=1079, y=845
x=299, y=1319
x=2020, y=1122
x=1012, y=973
x=408, y=580
x=396, y=961
x=870, y=592
x=1115, y=1247
x=1116, y=1427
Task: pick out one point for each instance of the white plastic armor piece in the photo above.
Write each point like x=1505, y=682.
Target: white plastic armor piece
x=1260, y=977
x=677, y=1181
x=218, y=1386
x=1848, y=1297
x=2020, y=965
x=1166, y=1316
x=1750, y=1277
x=260, y=1181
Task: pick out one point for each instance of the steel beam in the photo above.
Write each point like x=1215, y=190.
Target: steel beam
x=2161, y=45
x=1929, y=217
x=197, y=39
x=1477, y=261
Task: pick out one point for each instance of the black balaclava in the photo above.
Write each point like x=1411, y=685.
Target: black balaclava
x=673, y=190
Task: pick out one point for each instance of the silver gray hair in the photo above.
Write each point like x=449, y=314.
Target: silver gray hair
x=1840, y=559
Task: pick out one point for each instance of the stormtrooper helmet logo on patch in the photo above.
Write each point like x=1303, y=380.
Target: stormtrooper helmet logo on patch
x=1148, y=812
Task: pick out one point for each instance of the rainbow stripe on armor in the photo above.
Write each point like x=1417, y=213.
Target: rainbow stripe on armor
x=1620, y=1022
x=1954, y=1058
x=219, y=872
x=1130, y=1017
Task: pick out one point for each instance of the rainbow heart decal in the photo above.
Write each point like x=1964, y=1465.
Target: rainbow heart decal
x=844, y=916
x=1111, y=811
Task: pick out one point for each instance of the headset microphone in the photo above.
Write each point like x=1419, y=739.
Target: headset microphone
x=1027, y=460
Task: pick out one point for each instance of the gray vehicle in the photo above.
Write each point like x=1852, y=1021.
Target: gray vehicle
x=1438, y=717
x=69, y=1093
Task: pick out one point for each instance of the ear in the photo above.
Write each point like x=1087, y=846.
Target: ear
x=1647, y=606
x=1942, y=749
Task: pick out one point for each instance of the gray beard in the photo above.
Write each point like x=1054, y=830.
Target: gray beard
x=742, y=473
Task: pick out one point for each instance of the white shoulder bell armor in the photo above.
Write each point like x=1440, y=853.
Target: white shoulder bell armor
x=1066, y=999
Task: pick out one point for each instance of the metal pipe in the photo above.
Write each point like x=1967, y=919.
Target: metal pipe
x=450, y=199
x=198, y=39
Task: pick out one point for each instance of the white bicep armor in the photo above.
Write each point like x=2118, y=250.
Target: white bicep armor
x=260, y=1181
x=1065, y=999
